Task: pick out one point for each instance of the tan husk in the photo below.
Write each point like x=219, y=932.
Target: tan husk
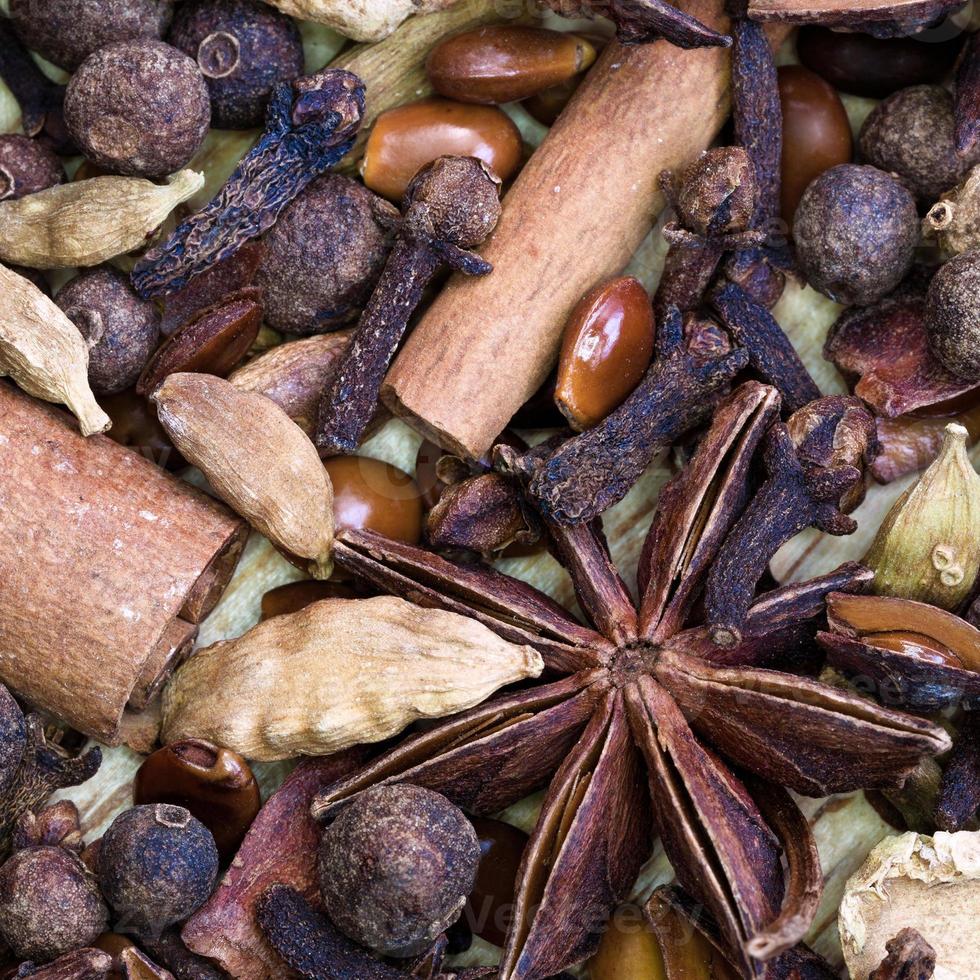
x=369, y=20
x=927, y=546
x=88, y=221
x=257, y=460
x=338, y=673
x=43, y=351
x=929, y=883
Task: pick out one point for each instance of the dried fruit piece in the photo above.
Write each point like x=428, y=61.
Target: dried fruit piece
x=42, y=350
x=369, y=493
x=363, y=858
x=505, y=62
x=405, y=139
x=909, y=957
x=856, y=229
x=256, y=458
x=606, y=349
x=244, y=50
x=121, y=329
x=138, y=108
x=925, y=548
x=89, y=221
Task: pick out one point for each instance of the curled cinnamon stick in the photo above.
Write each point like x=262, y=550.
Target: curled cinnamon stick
x=574, y=216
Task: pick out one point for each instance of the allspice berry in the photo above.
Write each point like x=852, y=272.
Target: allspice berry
x=26, y=167
x=138, y=108
x=157, y=865
x=49, y=904
x=953, y=315
x=13, y=738
x=121, y=328
x=243, y=48
x=910, y=134
x=396, y=867
x=856, y=230
x=322, y=257
x=66, y=32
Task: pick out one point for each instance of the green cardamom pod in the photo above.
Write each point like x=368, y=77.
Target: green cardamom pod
x=928, y=546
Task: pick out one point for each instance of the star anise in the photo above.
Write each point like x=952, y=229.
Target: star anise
x=643, y=694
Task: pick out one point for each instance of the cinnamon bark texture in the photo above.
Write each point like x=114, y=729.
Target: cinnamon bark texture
x=574, y=217
x=107, y=562
x=882, y=18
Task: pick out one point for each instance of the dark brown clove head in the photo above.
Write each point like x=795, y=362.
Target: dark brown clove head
x=717, y=194
x=334, y=98
x=454, y=200
x=57, y=825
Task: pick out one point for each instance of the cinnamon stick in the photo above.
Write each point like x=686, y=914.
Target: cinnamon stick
x=574, y=217
x=107, y=563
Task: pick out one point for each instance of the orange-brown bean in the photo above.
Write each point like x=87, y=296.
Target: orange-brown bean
x=368, y=493
x=606, y=348
x=816, y=133
x=405, y=139
x=506, y=62
x=294, y=596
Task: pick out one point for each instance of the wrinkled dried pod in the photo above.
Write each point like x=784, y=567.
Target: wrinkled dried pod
x=953, y=315
x=396, y=867
x=926, y=548
x=26, y=167
x=43, y=352
x=320, y=680
x=856, y=229
x=322, y=257
x=88, y=221
x=49, y=904
x=66, y=32
x=954, y=220
x=138, y=108
x=910, y=135
x=121, y=329
x=157, y=864
x=243, y=49
x=257, y=459
x=294, y=374
x=931, y=884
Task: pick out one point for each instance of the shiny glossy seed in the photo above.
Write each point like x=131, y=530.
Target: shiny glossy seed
x=405, y=139
x=606, y=348
x=506, y=62
x=214, y=783
x=875, y=67
x=491, y=903
x=368, y=493
x=629, y=951
x=917, y=645
x=294, y=596
x=816, y=133
x=426, y=473
x=135, y=424
x=548, y=105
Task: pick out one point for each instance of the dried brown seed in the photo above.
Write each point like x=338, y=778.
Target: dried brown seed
x=26, y=167
x=322, y=257
x=954, y=220
x=135, y=424
x=505, y=62
x=87, y=222
x=396, y=867
x=952, y=320
x=319, y=680
x=67, y=31
x=138, y=108
x=121, y=329
x=42, y=350
x=257, y=459
x=405, y=139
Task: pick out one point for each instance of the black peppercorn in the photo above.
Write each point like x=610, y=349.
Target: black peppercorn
x=322, y=257
x=139, y=108
x=243, y=49
x=121, y=328
x=49, y=903
x=26, y=167
x=396, y=867
x=13, y=738
x=856, y=229
x=157, y=865
x=910, y=134
x=66, y=32
x=953, y=315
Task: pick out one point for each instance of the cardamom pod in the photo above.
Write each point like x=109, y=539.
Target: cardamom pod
x=44, y=352
x=927, y=546
x=88, y=221
x=338, y=673
x=257, y=459
x=954, y=220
